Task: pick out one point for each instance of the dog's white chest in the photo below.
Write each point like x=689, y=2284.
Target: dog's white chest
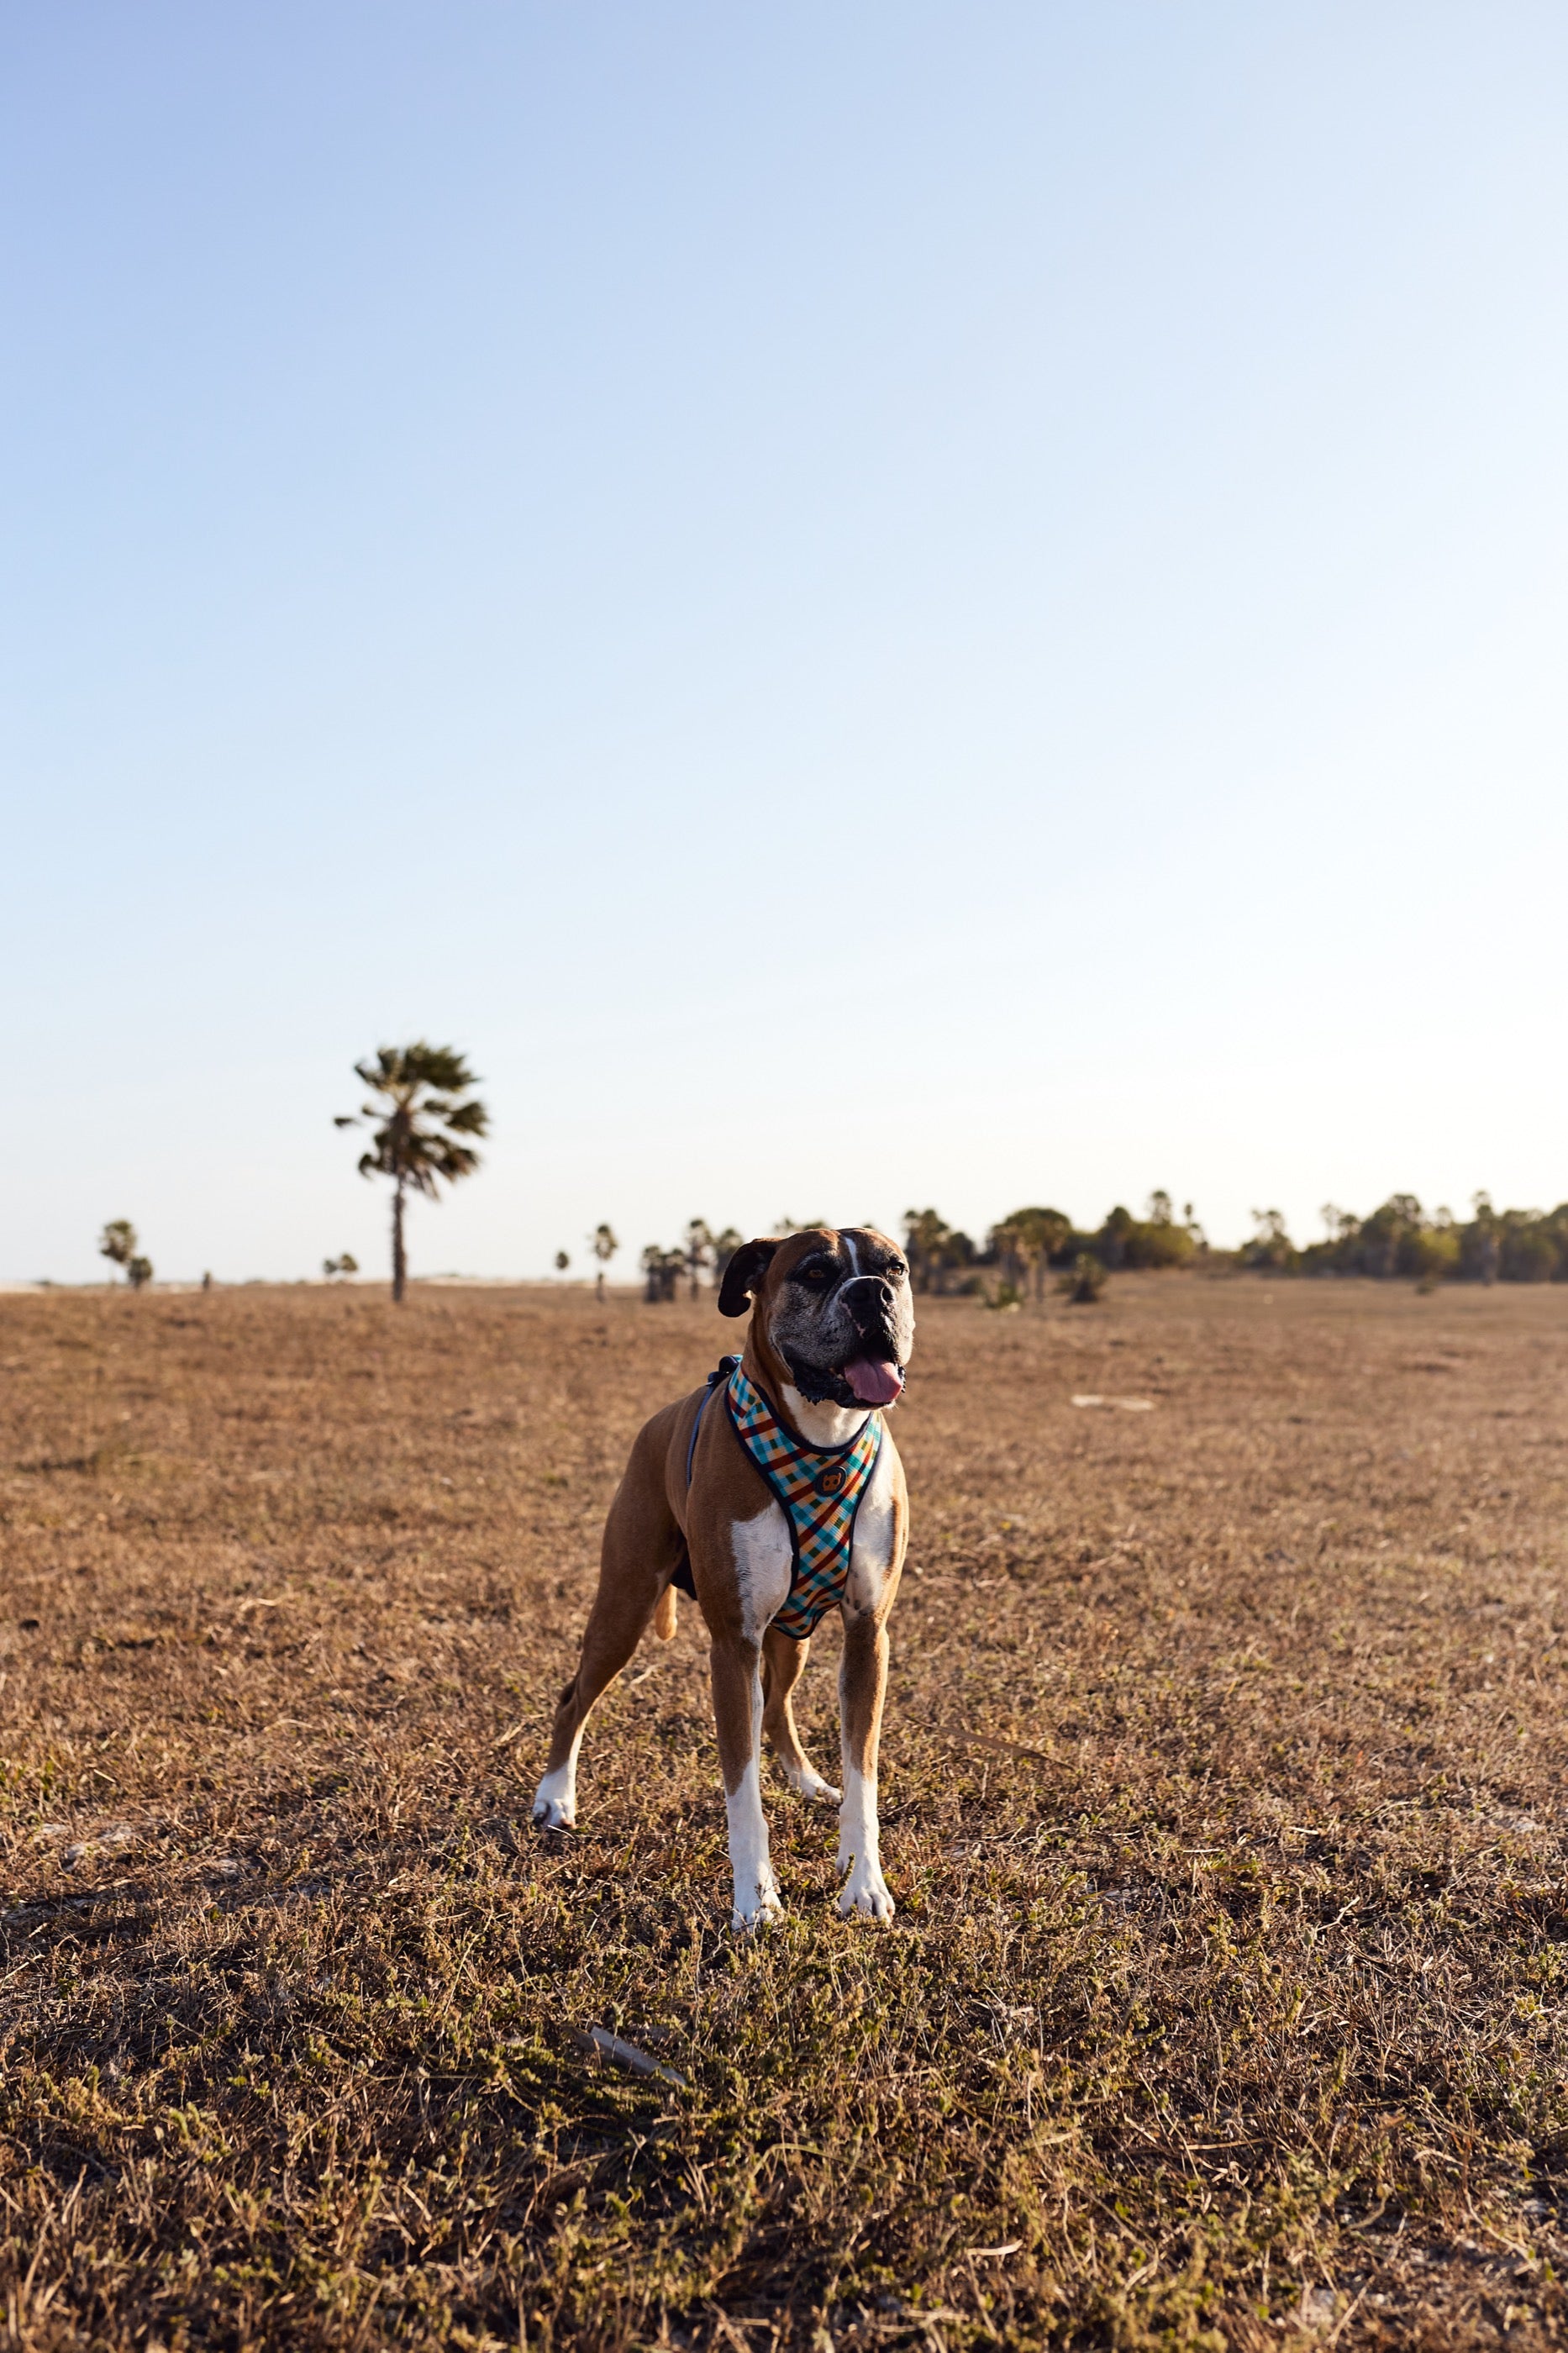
x=764, y=1561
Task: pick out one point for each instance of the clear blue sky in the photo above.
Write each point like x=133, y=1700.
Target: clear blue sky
x=867, y=606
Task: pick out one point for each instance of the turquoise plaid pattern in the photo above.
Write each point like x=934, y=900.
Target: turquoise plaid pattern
x=820, y=1489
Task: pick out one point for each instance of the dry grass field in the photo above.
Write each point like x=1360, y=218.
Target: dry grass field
x=1223, y=1809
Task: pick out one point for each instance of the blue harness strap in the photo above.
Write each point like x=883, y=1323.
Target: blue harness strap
x=726, y=1366
x=681, y=1576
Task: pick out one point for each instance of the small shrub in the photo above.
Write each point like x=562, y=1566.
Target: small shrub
x=1084, y=1280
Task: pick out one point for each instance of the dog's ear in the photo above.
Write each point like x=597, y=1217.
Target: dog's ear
x=744, y=1273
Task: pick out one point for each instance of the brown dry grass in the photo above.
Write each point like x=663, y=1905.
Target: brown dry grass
x=1227, y=2000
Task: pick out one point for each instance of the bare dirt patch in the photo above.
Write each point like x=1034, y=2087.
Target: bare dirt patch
x=1223, y=1804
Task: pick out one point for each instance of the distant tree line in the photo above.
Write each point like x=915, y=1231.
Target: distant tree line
x=1399, y=1240
x=1402, y=1241
x=1022, y=1248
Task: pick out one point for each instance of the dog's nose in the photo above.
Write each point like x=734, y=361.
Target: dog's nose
x=869, y=1300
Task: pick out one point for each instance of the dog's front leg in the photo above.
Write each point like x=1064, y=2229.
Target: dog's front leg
x=738, y=1712
x=862, y=1683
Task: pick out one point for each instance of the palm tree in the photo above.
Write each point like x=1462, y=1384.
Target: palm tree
x=422, y=1126
x=725, y=1245
x=926, y=1239
x=662, y=1268
x=697, y=1249
x=603, y=1243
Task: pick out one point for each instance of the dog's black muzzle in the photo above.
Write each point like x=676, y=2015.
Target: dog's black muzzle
x=872, y=1308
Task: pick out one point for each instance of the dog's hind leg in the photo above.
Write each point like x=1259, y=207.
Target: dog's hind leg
x=784, y=1662
x=613, y=1634
x=631, y=1582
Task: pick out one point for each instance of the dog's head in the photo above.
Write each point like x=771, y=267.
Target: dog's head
x=833, y=1306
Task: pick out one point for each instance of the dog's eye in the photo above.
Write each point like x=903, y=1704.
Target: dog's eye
x=815, y=1276
x=898, y=1269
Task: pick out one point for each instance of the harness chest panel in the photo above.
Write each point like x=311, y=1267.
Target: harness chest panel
x=820, y=1490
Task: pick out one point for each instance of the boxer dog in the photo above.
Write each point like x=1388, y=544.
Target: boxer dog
x=769, y=1495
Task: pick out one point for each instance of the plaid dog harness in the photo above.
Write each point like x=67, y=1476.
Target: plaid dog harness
x=819, y=1488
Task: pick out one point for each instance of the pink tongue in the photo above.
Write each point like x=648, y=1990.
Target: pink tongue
x=874, y=1383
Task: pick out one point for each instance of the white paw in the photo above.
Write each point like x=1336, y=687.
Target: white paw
x=757, y=1911
x=811, y=1786
x=865, y=1890
x=555, y=1802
